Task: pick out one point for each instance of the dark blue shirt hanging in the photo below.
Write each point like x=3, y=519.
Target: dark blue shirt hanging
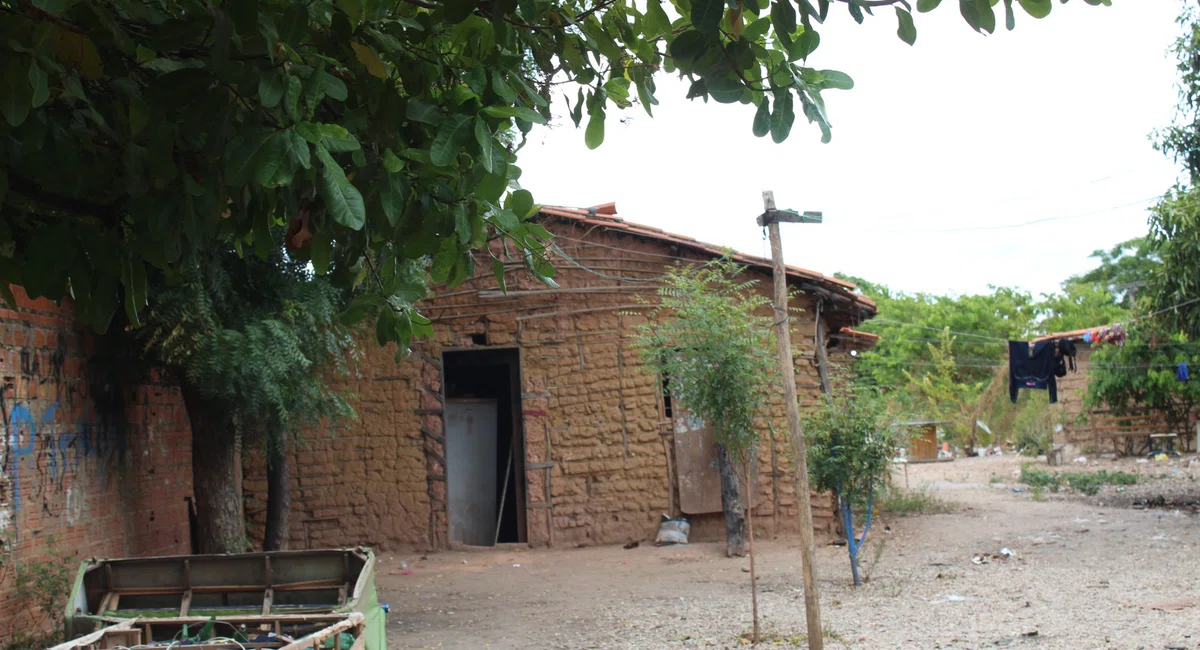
x=1034, y=369
x=1181, y=371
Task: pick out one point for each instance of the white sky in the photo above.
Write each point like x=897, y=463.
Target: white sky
x=958, y=131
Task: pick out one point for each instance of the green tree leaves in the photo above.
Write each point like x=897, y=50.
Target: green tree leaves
x=707, y=14
x=343, y=200
x=1037, y=8
x=175, y=126
x=452, y=136
x=907, y=31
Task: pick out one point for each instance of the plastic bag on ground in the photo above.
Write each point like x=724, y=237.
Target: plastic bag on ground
x=673, y=531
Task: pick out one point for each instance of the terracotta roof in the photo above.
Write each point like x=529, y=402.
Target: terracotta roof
x=857, y=334
x=605, y=216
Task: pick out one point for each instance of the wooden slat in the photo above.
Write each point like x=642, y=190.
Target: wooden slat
x=268, y=596
x=248, y=619
x=187, y=603
x=331, y=583
x=314, y=640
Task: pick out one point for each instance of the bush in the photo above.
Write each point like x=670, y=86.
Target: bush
x=915, y=501
x=41, y=590
x=1088, y=483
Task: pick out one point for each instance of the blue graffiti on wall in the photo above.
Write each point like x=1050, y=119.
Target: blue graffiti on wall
x=22, y=417
x=25, y=431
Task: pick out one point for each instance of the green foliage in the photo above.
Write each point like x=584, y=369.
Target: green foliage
x=257, y=336
x=920, y=334
x=1175, y=238
x=136, y=135
x=1142, y=374
x=1033, y=427
x=851, y=441
x=1123, y=271
x=922, y=500
x=1181, y=140
x=1088, y=483
x=944, y=357
x=1083, y=304
x=39, y=591
x=707, y=336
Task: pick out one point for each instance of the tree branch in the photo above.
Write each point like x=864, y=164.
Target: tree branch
x=33, y=13
x=108, y=213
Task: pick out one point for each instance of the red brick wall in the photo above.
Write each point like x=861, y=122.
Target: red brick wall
x=73, y=483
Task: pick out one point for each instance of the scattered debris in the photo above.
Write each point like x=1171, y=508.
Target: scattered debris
x=1030, y=633
x=516, y=566
x=630, y=545
x=1018, y=490
x=950, y=598
x=983, y=558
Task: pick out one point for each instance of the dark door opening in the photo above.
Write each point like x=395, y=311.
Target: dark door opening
x=485, y=448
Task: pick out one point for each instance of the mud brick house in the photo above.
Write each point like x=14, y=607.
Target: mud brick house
x=528, y=417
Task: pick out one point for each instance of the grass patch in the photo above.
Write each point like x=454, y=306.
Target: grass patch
x=1038, y=493
x=1088, y=483
x=914, y=501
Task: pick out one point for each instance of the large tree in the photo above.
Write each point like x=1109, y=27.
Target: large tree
x=141, y=134
x=252, y=343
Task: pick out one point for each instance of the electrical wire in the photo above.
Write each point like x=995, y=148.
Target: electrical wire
x=1009, y=226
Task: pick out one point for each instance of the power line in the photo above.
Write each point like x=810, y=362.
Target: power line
x=1018, y=225
x=937, y=329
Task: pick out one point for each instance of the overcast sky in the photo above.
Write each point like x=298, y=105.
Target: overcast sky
x=1050, y=121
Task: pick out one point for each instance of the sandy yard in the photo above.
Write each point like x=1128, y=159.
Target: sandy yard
x=1086, y=573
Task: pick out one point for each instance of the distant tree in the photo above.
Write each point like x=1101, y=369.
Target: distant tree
x=851, y=440
x=1181, y=140
x=1173, y=293
x=1124, y=269
x=1082, y=304
x=707, y=338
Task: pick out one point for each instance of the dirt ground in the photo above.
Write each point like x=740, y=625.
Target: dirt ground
x=1085, y=574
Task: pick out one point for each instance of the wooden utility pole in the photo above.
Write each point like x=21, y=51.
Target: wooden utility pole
x=770, y=219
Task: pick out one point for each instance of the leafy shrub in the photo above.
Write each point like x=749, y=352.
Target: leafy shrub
x=1088, y=483
x=915, y=501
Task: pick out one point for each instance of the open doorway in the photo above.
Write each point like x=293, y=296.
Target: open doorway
x=485, y=448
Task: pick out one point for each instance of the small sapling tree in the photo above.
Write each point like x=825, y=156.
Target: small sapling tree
x=709, y=338
x=850, y=443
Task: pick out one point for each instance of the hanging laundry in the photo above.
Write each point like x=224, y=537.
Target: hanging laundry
x=1032, y=370
x=1064, y=357
x=1181, y=371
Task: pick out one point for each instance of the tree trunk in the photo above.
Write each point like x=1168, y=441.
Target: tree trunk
x=279, y=494
x=216, y=476
x=731, y=505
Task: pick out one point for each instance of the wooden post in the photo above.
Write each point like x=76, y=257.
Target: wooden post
x=812, y=606
x=819, y=353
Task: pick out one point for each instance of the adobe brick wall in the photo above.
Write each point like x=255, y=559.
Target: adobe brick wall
x=590, y=413
x=74, y=484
